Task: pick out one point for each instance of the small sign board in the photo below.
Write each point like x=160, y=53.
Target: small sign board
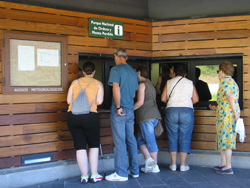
x=105, y=29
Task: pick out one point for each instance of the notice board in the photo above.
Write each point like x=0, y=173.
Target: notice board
x=34, y=63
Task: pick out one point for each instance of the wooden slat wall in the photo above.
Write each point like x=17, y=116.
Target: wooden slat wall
x=203, y=37
x=37, y=123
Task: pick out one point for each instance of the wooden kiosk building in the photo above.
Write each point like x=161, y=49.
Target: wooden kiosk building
x=35, y=123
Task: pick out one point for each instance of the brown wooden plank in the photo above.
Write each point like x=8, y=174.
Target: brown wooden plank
x=35, y=148
x=11, y=130
x=105, y=131
x=129, y=44
x=62, y=155
x=44, y=127
x=108, y=149
x=105, y=122
x=17, y=108
x=204, y=35
x=73, y=59
x=204, y=128
x=0, y=62
x=141, y=37
x=202, y=145
x=73, y=68
x=31, y=108
x=200, y=44
x=72, y=49
x=106, y=140
x=87, y=41
x=204, y=113
x=10, y=162
x=203, y=137
x=205, y=120
x=32, y=118
x=137, y=29
x=104, y=115
x=246, y=102
x=245, y=113
x=33, y=98
x=243, y=147
x=31, y=139
x=201, y=27
x=42, y=27
x=162, y=143
x=183, y=52
x=70, y=13
x=201, y=20
x=82, y=49
x=41, y=17
x=230, y=50
x=72, y=77
x=51, y=107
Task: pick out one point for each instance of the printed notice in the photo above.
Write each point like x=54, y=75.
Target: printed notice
x=46, y=57
x=26, y=58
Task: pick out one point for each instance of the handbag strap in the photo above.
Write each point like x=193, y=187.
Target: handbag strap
x=173, y=89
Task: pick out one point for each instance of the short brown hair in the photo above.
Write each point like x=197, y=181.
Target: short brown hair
x=227, y=68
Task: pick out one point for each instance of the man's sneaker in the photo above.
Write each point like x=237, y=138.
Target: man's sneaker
x=133, y=175
x=184, y=168
x=96, y=178
x=84, y=179
x=116, y=177
x=149, y=164
x=155, y=169
x=172, y=167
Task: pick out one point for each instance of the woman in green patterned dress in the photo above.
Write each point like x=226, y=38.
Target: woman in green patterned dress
x=227, y=113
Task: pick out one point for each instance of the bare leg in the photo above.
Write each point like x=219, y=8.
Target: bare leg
x=228, y=154
x=223, y=158
x=183, y=157
x=154, y=156
x=82, y=161
x=146, y=153
x=93, y=160
x=173, y=157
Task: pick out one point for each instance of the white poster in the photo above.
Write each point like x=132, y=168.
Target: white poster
x=46, y=57
x=26, y=58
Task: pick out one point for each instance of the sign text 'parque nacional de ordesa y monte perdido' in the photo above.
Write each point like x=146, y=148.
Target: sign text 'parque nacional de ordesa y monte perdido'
x=105, y=28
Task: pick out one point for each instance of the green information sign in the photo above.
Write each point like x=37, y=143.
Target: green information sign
x=105, y=28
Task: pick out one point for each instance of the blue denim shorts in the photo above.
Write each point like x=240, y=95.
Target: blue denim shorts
x=146, y=135
x=179, y=122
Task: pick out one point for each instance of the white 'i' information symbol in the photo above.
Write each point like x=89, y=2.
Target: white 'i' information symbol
x=118, y=30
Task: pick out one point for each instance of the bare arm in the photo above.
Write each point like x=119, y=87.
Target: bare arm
x=195, y=97
x=212, y=107
x=100, y=93
x=158, y=85
x=117, y=98
x=140, y=96
x=232, y=104
x=70, y=92
x=164, y=96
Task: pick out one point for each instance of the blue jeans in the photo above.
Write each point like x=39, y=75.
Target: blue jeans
x=123, y=136
x=146, y=135
x=179, y=122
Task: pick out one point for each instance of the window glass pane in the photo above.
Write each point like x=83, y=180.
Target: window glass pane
x=207, y=82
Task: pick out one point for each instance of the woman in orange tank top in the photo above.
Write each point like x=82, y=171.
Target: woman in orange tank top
x=85, y=128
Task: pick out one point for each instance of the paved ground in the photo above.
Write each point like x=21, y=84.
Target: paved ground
x=200, y=177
